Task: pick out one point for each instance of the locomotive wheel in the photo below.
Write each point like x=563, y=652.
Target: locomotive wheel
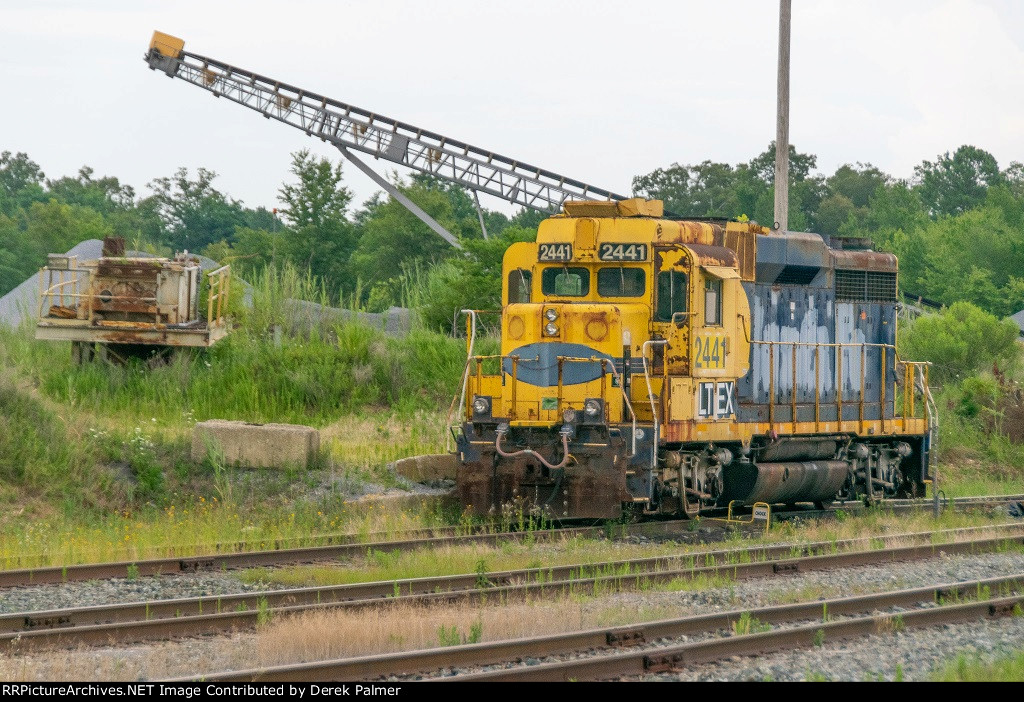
x=690, y=510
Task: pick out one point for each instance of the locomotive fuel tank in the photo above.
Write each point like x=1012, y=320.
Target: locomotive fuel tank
x=774, y=483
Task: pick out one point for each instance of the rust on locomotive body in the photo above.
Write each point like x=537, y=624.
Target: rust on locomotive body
x=664, y=366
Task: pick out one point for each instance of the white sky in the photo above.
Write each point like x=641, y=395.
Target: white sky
x=599, y=91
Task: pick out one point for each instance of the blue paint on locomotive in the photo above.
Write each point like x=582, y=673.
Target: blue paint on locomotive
x=538, y=363
x=794, y=302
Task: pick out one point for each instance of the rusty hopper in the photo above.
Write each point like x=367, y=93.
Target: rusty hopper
x=124, y=306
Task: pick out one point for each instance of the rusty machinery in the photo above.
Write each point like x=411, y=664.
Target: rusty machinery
x=118, y=306
x=649, y=364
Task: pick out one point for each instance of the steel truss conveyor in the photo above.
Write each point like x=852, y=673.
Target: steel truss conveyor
x=349, y=127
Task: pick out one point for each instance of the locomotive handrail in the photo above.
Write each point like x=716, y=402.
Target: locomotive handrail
x=650, y=396
x=910, y=369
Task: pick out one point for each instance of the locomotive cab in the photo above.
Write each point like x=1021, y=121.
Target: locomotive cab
x=649, y=364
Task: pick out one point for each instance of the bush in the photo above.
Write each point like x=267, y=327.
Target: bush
x=960, y=341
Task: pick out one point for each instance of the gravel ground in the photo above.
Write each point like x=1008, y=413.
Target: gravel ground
x=99, y=592
x=908, y=655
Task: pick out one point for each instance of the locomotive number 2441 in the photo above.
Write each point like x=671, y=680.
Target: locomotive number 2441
x=709, y=352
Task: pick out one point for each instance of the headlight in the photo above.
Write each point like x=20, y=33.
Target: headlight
x=592, y=408
x=550, y=329
x=569, y=415
x=551, y=315
x=481, y=405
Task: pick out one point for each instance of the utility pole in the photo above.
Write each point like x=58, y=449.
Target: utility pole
x=782, y=122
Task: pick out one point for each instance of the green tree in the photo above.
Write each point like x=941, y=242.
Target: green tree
x=194, y=213
x=468, y=282
x=834, y=212
x=857, y=183
x=318, y=199
x=960, y=341
x=703, y=190
x=320, y=238
x=800, y=165
x=1013, y=177
x=46, y=227
x=975, y=256
x=21, y=182
x=393, y=238
x=954, y=184
x=104, y=195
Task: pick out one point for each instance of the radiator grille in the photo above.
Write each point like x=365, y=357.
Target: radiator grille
x=865, y=286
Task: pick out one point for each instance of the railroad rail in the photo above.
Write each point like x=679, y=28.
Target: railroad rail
x=252, y=559
x=666, y=658
x=43, y=560
x=139, y=621
x=344, y=546
x=605, y=642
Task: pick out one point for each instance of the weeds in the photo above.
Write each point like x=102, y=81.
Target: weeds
x=263, y=612
x=748, y=624
x=964, y=668
x=453, y=637
x=482, y=582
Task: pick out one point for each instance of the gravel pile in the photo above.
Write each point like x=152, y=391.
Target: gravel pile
x=101, y=592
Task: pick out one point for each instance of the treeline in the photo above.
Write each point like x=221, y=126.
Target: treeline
x=371, y=257
x=957, y=226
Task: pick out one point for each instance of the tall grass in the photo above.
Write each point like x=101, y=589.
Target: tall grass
x=1006, y=668
x=309, y=376
x=81, y=445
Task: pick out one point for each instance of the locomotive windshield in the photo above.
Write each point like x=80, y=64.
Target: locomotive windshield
x=565, y=282
x=619, y=281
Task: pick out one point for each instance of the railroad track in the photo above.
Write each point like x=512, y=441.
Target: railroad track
x=161, y=619
x=916, y=505
x=342, y=548
x=634, y=649
x=307, y=554
x=42, y=560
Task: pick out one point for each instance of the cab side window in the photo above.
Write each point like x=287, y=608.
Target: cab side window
x=520, y=286
x=712, y=301
x=672, y=287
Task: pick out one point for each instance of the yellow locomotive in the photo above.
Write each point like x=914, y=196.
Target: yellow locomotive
x=663, y=366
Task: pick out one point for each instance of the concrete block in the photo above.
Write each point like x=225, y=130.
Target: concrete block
x=256, y=445
x=423, y=469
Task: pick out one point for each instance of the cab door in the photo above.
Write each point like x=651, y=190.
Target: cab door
x=720, y=339
x=672, y=313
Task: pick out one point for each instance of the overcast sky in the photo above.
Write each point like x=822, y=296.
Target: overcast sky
x=600, y=91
